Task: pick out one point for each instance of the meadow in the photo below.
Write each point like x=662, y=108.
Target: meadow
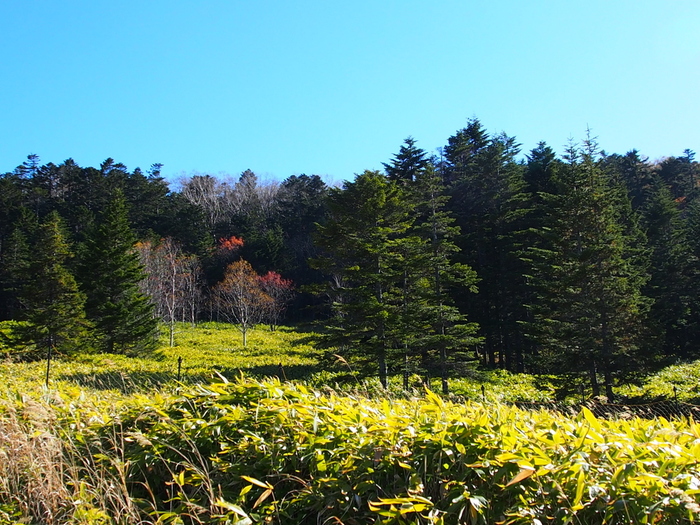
x=211, y=432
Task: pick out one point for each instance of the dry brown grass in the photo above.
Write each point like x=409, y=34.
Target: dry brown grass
x=45, y=478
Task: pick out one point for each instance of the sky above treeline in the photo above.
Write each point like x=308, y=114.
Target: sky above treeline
x=333, y=88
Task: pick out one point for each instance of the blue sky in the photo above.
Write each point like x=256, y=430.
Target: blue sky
x=333, y=88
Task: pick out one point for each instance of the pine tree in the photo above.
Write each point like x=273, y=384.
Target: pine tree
x=110, y=273
x=54, y=305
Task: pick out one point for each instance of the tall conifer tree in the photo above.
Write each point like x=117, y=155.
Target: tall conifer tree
x=110, y=273
x=589, y=312
x=54, y=305
x=437, y=324
x=671, y=283
x=367, y=220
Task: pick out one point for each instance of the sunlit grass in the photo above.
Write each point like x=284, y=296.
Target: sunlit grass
x=202, y=354
x=201, y=416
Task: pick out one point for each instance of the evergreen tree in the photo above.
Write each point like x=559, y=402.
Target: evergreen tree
x=589, y=312
x=682, y=175
x=462, y=155
x=435, y=323
x=110, y=273
x=635, y=172
x=53, y=304
x=488, y=200
x=670, y=285
x=367, y=220
x=14, y=261
x=407, y=163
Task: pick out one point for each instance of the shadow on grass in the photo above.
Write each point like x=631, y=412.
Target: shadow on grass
x=142, y=381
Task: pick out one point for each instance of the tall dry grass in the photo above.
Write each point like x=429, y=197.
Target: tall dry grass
x=46, y=477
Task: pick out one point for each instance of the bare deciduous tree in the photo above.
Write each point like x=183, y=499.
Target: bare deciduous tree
x=240, y=297
x=172, y=282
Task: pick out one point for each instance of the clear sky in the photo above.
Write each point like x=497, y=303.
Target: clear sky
x=328, y=87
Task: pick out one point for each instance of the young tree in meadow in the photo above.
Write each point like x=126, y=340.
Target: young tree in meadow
x=109, y=274
x=54, y=305
x=281, y=291
x=240, y=297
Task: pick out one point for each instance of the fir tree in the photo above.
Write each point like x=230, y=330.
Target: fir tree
x=53, y=304
x=488, y=201
x=367, y=220
x=110, y=273
x=436, y=323
x=407, y=164
x=671, y=285
x=589, y=312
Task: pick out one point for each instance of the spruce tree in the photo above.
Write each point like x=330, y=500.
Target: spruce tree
x=110, y=273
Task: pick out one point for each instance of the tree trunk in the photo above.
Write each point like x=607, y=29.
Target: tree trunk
x=608, y=384
x=594, y=379
x=382, y=368
x=443, y=370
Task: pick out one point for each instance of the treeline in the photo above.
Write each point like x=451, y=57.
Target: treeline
x=584, y=264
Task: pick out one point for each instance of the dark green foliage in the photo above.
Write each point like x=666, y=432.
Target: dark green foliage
x=671, y=283
x=530, y=230
x=50, y=296
x=488, y=200
x=589, y=315
x=682, y=174
x=462, y=155
x=14, y=260
x=387, y=247
x=407, y=164
x=109, y=275
x=635, y=172
x=300, y=203
x=432, y=278
x=360, y=240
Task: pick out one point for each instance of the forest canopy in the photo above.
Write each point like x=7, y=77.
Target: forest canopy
x=584, y=264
